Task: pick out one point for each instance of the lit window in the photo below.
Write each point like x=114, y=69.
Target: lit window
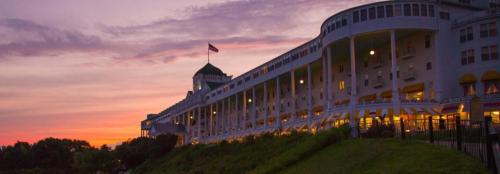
x=341, y=85
x=397, y=10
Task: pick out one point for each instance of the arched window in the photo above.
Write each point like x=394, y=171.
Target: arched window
x=468, y=82
x=491, y=81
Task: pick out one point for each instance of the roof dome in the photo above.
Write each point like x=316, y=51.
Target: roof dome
x=210, y=70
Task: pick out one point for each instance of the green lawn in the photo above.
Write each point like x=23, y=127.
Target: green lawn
x=327, y=152
x=386, y=156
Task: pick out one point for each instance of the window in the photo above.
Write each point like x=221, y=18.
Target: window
x=416, y=9
x=464, y=1
x=371, y=13
x=380, y=12
x=428, y=66
x=366, y=82
x=277, y=65
x=389, y=11
x=489, y=53
x=463, y=36
x=469, y=89
x=488, y=30
x=397, y=10
x=444, y=15
x=470, y=34
x=344, y=21
x=355, y=17
x=431, y=10
x=427, y=41
x=341, y=85
x=470, y=56
x=485, y=53
x=363, y=15
x=423, y=10
x=286, y=61
x=341, y=68
x=407, y=10
x=463, y=58
x=491, y=87
x=494, y=52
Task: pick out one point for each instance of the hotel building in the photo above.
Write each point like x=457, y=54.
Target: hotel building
x=376, y=62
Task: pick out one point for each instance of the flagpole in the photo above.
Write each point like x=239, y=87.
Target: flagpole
x=208, y=52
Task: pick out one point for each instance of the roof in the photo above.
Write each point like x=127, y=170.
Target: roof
x=164, y=128
x=210, y=70
x=213, y=85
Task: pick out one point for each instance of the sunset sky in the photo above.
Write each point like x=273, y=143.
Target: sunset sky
x=93, y=69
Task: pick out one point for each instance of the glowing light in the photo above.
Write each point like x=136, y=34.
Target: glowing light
x=301, y=81
x=372, y=52
x=191, y=117
x=215, y=112
x=249, y=100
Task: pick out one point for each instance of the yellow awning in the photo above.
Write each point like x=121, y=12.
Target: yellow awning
x=413, y=88
x=467, y=78
x=490, y=75
x=386, y=94
x=368, y=98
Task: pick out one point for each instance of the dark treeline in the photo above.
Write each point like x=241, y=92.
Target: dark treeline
x=52, y=155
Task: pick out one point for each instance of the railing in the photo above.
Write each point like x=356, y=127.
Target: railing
x=409, y=75
x=378, y=83
x=476, y=138
x=408, y=53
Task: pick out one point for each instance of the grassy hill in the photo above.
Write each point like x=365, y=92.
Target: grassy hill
x=326, y=152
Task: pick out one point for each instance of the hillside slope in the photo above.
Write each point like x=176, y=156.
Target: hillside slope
x=326, y=152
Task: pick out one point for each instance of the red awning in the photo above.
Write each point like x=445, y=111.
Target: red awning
x=491, y=106
x=450, y=108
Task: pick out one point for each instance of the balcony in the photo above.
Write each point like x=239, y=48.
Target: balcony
x=409, y=75
x=408, y=54
x=378, y=83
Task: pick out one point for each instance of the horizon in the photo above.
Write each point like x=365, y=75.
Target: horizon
x=93, y=70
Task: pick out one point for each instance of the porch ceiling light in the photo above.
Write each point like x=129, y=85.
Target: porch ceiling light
x=372, y=52
x=301, y=81
x=249, y=100
x=215, y=112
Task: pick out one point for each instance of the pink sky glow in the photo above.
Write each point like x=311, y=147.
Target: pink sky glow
x=93, y=69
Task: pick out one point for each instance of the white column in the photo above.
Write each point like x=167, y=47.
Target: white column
x=198, y=123
x=292, y=84
x=229, y=117
x=325, y=85
x=223, y=117
x=328, y=78
x=245, y=110
x=352, y=121
x=254, y=115
x=437, y=67
x=238, y=124
x=394, y=68
x=212, y=123
x=266, y=112
x=277, y=102
x=309, y=97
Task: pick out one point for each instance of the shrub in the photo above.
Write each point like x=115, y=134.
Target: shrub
x=378, y=130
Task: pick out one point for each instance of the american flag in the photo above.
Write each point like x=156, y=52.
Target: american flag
x=212, y=48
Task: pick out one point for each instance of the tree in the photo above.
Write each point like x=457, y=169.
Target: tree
x=133, y=152
x=161, y=145
x=18, y=156
x=92, y=160
x=57, y=153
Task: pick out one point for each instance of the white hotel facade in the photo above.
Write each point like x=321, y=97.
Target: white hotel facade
x=381, y=61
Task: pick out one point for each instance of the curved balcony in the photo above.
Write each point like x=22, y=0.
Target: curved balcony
x=411, y=14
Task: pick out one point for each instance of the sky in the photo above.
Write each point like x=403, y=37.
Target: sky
x=93, y=69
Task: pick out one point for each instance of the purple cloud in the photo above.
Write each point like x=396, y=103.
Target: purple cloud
x=32, y=39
